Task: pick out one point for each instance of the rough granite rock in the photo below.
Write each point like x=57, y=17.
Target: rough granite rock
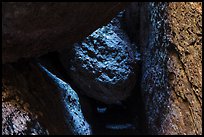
x=170, y=36
x=103, y=65
x=31, y=29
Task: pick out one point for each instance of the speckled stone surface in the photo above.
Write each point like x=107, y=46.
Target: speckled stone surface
x=103, y=65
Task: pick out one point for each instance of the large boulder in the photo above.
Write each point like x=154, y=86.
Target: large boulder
x=103, y=65
x=32, y=29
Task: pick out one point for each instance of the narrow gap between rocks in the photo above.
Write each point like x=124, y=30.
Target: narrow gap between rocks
x=123, y=117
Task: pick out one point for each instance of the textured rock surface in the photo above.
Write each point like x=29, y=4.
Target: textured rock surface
x=16, y=117
x=103, y=65
x=72, y=109
x=185, y=67
x=169, y=36
x=32, y=29
x=51, y=101
x=171, y=48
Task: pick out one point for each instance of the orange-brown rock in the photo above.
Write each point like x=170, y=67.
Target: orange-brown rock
x=170, y=36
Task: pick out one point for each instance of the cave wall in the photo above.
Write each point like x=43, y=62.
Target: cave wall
x=170, y=36
x=170, y=39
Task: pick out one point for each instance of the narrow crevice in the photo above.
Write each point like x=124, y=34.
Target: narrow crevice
x=127, y=117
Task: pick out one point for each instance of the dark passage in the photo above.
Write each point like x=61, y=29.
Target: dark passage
x=124, y=117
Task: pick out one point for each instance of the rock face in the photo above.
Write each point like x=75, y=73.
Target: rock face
x=72, y=109
x=16, y=119
x=32, y=29
x=103, y=65
x=170, y=37
x=37, y=99
x=33, y=96
x=19, y=122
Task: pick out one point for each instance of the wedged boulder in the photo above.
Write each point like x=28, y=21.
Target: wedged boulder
x=32, y=29
x=103, y=65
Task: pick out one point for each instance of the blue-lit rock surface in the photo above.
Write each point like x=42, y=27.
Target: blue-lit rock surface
x=103, y=64
x=72, y=109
